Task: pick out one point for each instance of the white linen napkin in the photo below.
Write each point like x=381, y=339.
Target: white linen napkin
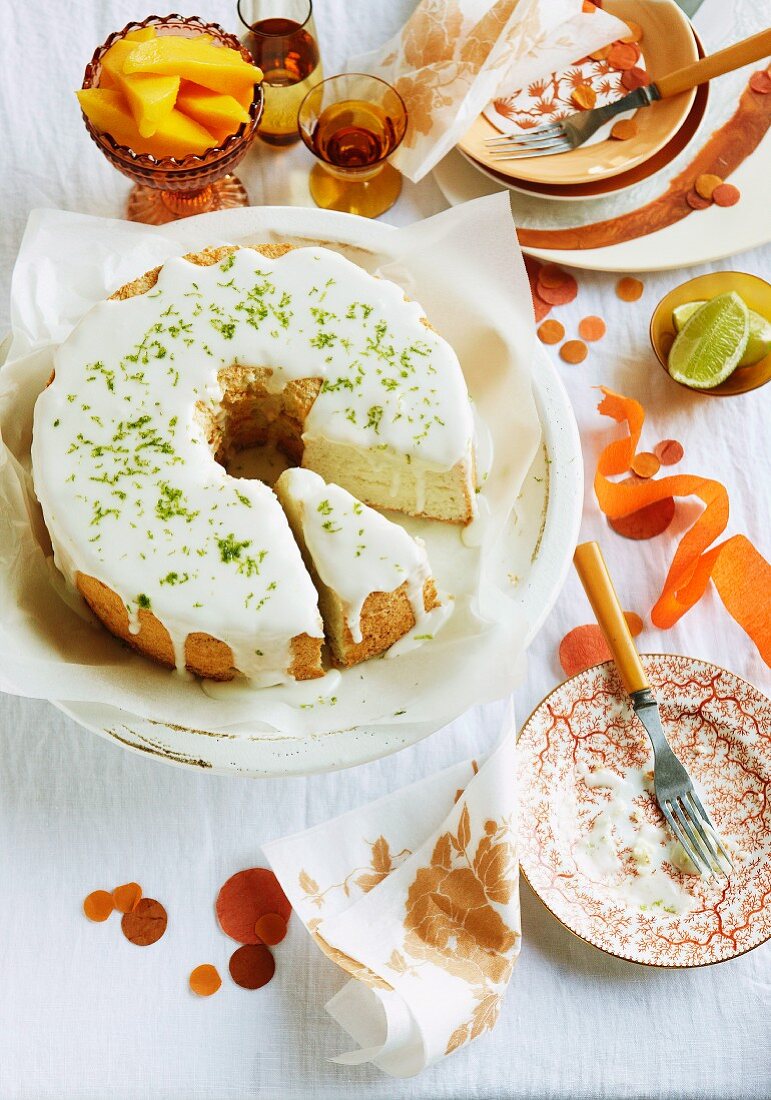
x=416, y=897
x=451, y=56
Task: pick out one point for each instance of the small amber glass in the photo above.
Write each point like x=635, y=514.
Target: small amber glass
x=352, y=124
x=168, y=188
x=282, y=40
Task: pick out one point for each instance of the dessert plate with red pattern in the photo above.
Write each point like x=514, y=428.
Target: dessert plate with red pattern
x=593, y=843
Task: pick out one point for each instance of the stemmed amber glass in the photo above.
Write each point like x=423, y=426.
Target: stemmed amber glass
x=282, y=40
x=353, y=123
x=168, y=188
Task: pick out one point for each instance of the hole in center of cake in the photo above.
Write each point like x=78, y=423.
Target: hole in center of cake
x=256, y=432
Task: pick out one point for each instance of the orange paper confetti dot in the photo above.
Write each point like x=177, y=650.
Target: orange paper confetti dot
x=600, y=55
x=584, y=96
x=252, y=966
x=585, y=646
x=551, y=332
x=760, y=82
x=588, y=8
x=696, y=201
x=629, y=289
x=706, y=183
x=146, y=923
x=634, y=78
x=623, y=55
x=591, y=328
x=271, y=929
x=98, y=905
x=574, y=351
x=245, y=898
x=127, y=896
x=635, y=32
x=646, y=464
x=552, y=276
x=726, y=195
x=737, y=569
x=624, y=129
x=205, y=980
x=668, y=452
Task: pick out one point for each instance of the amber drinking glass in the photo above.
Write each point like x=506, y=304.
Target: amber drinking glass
x=282, y=40
x=352, y=124
x=168, y=188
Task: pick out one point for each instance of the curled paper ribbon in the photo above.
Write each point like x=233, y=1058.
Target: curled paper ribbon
x=740, y=574
x=416, y=897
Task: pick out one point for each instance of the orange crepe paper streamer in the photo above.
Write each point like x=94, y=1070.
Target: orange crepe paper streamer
x=739, y=572
x=98, y=905
x=126, y=897
x=585, y=646
x=205, y=980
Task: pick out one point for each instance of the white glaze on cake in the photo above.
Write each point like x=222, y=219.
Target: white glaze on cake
x=354, y=549
x=130, y=491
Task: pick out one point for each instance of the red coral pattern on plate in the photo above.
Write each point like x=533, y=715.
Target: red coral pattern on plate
x=720, y=727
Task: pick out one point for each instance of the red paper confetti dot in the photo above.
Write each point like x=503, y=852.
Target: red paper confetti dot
x=205, y=980
x=697, y=201
x=98, y=905
x=271, y=929
x=634, y=78
x=646, y=522
x=623, y=55
x=726, y=195
x=145, y=924
x=252, y=966
x=584, y=646
x=668, y=452
x=245, y=898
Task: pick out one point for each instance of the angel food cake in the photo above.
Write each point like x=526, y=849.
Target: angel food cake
x=214, y=352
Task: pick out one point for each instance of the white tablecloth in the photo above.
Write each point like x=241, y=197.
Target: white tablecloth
x=83, y=1013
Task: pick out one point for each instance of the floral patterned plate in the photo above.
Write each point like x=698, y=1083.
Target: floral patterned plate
x=667, y=44
x=593, y=842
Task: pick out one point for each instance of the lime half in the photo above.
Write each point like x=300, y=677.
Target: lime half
x=712, y=342
x=758, y=343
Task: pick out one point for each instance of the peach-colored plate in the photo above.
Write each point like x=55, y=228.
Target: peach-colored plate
x=667, y=44
x=593, y=843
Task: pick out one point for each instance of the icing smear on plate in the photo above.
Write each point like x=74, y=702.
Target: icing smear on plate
x=629, y=849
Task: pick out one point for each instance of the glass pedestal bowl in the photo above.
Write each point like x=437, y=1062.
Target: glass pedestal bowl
x=168, y=188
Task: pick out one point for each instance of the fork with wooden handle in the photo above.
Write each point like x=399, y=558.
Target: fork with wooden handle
x=561, y=137
x=673, y=787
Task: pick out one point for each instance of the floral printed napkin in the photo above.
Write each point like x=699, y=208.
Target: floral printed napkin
x=416, y=897
x=452, y=56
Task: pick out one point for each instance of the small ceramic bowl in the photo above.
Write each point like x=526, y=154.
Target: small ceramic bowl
x=167, y=188
x=755, y=292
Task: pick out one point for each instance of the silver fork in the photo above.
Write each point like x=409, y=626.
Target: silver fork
x=561, y=137
x=673, y=787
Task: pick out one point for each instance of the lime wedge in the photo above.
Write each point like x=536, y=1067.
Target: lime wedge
x=758, y=342
x=680, y=314
x=708, y=348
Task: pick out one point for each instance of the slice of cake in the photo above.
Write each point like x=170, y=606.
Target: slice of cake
x=374, y=580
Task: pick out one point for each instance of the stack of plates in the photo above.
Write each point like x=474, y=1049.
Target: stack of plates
x=603, y=166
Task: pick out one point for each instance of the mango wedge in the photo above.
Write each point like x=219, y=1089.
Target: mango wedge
x=214, y=67
x=150, y=98
x=176, y=136
x=219, y=113
x=141, y=34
